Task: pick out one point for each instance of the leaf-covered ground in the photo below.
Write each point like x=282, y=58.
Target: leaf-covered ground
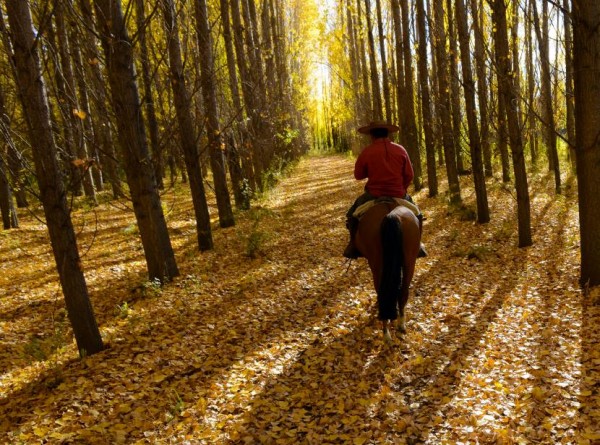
x=272, y=337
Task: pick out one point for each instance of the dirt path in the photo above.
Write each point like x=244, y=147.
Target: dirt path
x=284, y=348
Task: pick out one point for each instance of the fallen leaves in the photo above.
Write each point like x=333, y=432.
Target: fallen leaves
x=284, y=348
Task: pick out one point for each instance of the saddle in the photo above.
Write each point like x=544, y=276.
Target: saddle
x=362, y=209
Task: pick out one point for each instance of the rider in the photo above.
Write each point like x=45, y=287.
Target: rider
x=389, y=171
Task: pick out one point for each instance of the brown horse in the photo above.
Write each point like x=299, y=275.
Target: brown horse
x=388, y=236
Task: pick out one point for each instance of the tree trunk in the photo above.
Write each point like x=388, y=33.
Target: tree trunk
x=455, y=95
x=15, y=161
x=138, y=166
x=384, y=65
x=482, y=85
x=549, y=125
x=444, y=106
x=508, y=94
x=483, y=211
x=187, y=132
x=531, y=90
x=92, y=175
x=367, y=104
x=502, y=138
x=213, y=132
x=426, y=101
x=234, y=155
x=406, y=93
x=586, y=63
x=66, y=98
x=52, y=192
x=354, y=62
x=250, y=97
x=377, y=111
x=147, y=99
x=7, y=207
x=100, y=118
x=570, y=104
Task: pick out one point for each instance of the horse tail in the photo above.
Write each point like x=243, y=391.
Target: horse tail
x=393, y=263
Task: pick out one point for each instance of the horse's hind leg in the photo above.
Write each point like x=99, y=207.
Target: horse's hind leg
x=402, y=300
x=385, y=324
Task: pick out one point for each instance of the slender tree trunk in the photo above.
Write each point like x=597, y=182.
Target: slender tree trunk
x=482, y=86
x=503, y=141
x=444, y=106
x=234, y=156
x=426, y=101
x=384, y=65
x=91, y=181
x=570, y=104
x=148, y=99
x=354, y=62
x=7, y=207
x=405, y=90
x=250, y=97
x=507, y=93
x=213, y=132
x=66, y=98
x=187, y=132
x=73, y=103
x=549, y=125
x=531, y=91
x=15, y=161
x=377, y=111
x=138, y=166
x=52, y=192
x=368, y=101
x=483, y=211
x=100, y=118
x=586, y=64
x=455, y=94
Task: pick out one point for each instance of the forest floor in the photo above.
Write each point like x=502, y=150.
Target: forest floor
x=272, y=337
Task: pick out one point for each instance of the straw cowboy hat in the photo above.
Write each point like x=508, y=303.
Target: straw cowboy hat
x=378, y=124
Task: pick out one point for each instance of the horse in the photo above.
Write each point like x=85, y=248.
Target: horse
x=389, y=237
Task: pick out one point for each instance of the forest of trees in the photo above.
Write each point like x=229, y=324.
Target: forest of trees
x=119, y=99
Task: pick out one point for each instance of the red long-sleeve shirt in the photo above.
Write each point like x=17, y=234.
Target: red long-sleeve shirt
x=387, y=167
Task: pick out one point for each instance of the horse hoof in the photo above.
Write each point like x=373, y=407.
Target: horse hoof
x=387, y=338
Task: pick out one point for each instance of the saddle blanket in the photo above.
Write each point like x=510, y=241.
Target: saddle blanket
x=362, y=209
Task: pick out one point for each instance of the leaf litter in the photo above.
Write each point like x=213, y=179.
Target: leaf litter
x=272, y=337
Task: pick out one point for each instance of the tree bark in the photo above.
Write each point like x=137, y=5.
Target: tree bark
x=444, y=106
x=570, y=104
x=100, y=118
x=483, y=211
x=549, y=125
x=187, y=132
x=426, y=101
x=138, y=165
x=377, y=111
x=7, y=207
x=482, y=86
x=507, y=93
x=148, y=99
x=384, y=66
x=213, y=132
x=52, y=193
x=586, y=63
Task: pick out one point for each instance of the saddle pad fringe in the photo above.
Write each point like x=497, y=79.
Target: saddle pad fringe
x=362, y=209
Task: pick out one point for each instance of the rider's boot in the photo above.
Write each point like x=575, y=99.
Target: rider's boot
x=351, y=251
x=422, y=251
